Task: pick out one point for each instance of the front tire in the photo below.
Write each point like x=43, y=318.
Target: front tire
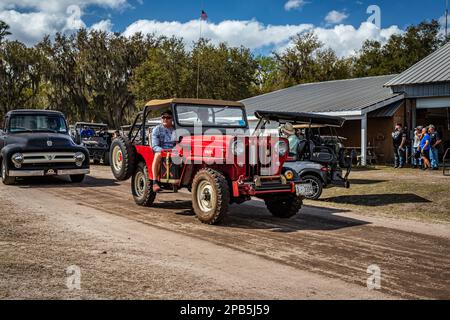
x=7, y=180
x=77, y=178
x=317, y=186
x=210, y=196
x=285, y=207
x=141, y=186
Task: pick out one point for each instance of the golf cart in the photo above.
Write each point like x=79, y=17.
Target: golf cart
x=320, y=157
x=216, y=161
x=96, y=138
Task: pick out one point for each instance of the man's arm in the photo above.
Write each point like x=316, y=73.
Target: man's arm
x=156, y=143
x=438, y=140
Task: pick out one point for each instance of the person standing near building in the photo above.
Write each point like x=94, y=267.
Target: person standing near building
x=399, y=143
x=416, y=161
x=425, y=149
x=435, y=141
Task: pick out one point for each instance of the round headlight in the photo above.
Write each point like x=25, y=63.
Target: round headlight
x=238, y=148
x=289, y=175
x=17, y=159
x=282, y=148
x=79, y=158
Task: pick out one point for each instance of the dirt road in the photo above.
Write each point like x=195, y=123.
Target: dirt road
x=125, y=251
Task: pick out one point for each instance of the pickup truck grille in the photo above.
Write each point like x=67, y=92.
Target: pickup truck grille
x=48, y=157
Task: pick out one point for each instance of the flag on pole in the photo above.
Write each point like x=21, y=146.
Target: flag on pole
x=204, y=16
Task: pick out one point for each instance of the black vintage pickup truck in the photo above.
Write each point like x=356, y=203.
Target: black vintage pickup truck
x=38, y=143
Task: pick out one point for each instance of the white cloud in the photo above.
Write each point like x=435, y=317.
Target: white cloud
x=104, y=25
x=31, y=20
x=294, y=4
x=335, y=17
x=344, y=39
x=251, y=34
x=347, y=40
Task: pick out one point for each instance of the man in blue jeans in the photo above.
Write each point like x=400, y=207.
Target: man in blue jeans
x=435, y=141
x=162, y=139
x=399, y=143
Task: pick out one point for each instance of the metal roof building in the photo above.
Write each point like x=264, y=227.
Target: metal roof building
x=351, y=99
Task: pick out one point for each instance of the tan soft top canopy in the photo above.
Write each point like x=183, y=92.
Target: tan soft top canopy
x=159, y=104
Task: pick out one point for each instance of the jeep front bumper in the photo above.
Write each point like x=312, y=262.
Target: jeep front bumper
x=262, y=186
x=44, y=173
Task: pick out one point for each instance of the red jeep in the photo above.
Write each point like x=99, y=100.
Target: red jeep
x=219, y=162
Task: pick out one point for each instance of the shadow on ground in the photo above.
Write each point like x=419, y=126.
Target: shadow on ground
x=365, y=182
x=373, y=200
x=61, y=182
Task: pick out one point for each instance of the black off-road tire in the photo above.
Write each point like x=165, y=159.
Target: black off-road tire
x=317, y=185
x=106, y=159
x=77, y=178
x=285, y=207
x=128, y=156
x=219, y=196
x=145, y=195
x=5, y=178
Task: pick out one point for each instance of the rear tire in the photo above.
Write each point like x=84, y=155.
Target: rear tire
x=77, y=178
x=210, y=196
x=122, y=158
x=285, y=207
x=141, y=186
x=317, y=186
x=7, y=180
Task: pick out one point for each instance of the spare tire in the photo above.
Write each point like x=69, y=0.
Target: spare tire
x=122, y=158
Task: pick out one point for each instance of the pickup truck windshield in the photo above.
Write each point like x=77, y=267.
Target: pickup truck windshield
x=211, y=116
x=37, y=123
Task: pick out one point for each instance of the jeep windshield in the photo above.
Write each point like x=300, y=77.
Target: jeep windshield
x=210, y=116
x=37, y=123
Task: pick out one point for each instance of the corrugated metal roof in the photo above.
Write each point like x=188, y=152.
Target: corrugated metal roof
x=331, y=96
x=386, y=112
x=433, y=69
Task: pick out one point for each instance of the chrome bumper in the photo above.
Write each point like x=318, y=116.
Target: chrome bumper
x=43, y=173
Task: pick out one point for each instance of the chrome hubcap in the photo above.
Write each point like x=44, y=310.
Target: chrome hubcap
x=315, y=186
x=205, y=196
x=140, y=184
x=117, y=158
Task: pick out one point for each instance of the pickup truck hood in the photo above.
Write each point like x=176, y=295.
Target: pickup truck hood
x=40, y=140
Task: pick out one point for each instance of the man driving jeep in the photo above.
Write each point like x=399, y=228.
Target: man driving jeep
x=289, y=131
x=162, y=139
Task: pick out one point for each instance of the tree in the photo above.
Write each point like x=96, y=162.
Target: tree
x=3, y=31
x=20, y=76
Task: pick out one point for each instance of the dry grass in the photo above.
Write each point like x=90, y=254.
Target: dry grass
x=405, y=193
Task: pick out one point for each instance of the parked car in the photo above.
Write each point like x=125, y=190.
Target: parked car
x=37, y=143
x=215, y=183
x=321, y=156
x=96, y=138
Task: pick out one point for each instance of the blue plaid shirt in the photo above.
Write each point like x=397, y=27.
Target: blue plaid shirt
x=162, y=138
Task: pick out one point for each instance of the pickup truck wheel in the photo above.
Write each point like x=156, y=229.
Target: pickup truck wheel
x=106, y=159
x=122, y=158
x=141, y=186
x=5, y=178
x=317, y=186
x=285, y=207
x=77, y=178
x=211, y=196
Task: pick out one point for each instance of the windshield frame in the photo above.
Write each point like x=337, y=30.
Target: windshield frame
x=59, y=116
x=244, y=117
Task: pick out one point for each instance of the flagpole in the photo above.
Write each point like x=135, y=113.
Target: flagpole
x=198, y=57
x=446, y=20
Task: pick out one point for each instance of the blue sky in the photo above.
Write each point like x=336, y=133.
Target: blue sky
x=261, y=25
x=398, y=12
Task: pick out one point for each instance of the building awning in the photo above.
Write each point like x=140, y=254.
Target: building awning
x=387, y=111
